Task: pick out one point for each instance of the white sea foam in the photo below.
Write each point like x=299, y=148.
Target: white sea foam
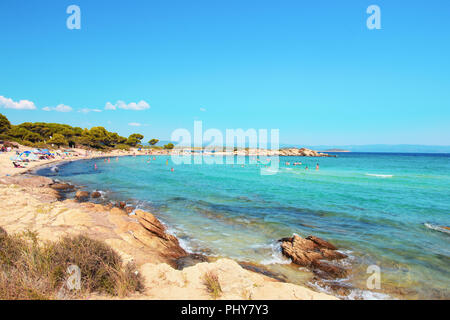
x=437, y=228
x=358, y=294
x=379, y=175
x=276, y=256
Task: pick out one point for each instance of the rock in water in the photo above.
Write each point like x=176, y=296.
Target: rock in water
x=62, y=186
x=96, y=194
x=82, y=195
x=310, y=252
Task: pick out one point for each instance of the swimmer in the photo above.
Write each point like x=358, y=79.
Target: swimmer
x=306, y=168
x=171, y=169
x=167, y=162
x=317, y=166
x=95, y=166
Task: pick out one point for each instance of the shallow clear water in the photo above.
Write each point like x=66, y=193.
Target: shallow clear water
x=373, y=206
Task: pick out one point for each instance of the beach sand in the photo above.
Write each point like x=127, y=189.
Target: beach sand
x=29, y=203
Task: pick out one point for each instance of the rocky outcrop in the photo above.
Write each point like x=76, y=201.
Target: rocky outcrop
x=129, y=209
x=27, y=181
x=154, y=226
x=310, y=252
x=82, y=195
x=62, y=186
x=303, y=152
x=96, y=194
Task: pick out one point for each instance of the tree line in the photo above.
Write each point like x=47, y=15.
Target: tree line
x=43, y=135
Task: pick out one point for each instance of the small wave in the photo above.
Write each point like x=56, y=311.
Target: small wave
x=358, y=294
x=379, y=175
x=276, y=256
x=354, y=293
x=437, y=228
x=54, y=169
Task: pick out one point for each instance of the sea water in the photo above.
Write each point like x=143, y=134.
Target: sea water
x=386, y=210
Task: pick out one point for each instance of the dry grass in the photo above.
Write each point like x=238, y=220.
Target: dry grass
x=30, y=269
x=211, y=281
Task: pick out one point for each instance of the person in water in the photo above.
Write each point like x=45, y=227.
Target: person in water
x=317, y=166
x=306, y=168
x=171, y=169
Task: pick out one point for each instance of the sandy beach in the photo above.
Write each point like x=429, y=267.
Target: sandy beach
x=32, y=203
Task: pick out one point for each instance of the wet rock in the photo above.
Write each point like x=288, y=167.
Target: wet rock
x=96, y=194
x=82, y=195
x=310, y=252
x=262, y=270
x=190, y=260
x=62, y=186
x=338, y=288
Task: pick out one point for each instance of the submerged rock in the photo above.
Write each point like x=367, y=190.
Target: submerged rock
x=190, y=260
x=310, y=252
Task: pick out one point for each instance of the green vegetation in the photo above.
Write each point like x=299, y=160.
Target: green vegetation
x=153, y=142
x=134, y=140
x=5, y=125
x=169, y=146
x=30, y=269
x=42, y=135
x=211, y=281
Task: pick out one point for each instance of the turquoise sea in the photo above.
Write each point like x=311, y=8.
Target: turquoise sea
x=380, y=209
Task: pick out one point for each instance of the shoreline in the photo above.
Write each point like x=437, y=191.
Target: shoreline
x=133, y=240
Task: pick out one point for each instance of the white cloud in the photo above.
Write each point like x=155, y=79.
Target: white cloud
x=141, y=105
x=135, y=124
x=87, y=110
x=202, y=109
x=58, y=108
x=8, y=103
x=110, y=106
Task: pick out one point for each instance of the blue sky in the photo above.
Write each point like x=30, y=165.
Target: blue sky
x=309, y=68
